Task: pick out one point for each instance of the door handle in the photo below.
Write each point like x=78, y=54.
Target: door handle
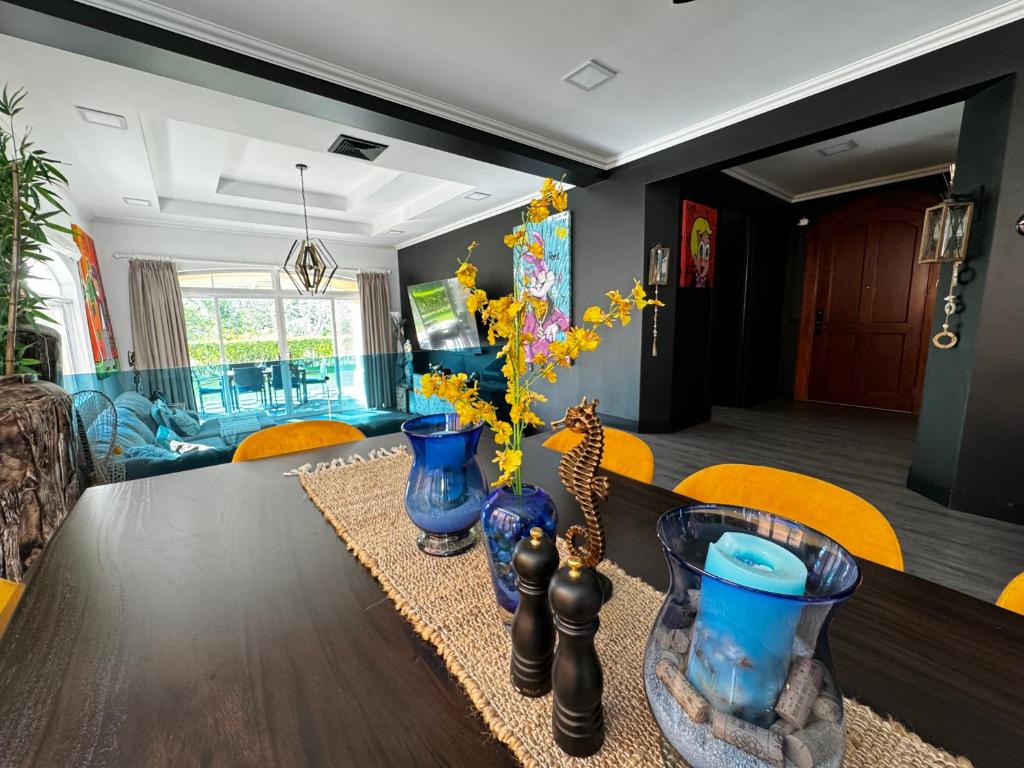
x=819, y=321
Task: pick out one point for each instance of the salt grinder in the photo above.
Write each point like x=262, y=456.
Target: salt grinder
x=577, y=718
x=533, y=633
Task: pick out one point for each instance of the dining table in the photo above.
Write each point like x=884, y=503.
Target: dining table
x=213, y=618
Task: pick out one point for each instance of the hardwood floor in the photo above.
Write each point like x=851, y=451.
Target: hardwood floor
x=867, y=452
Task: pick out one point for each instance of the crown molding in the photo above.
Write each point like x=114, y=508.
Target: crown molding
x=498, y=209
x=783, y=194
x=985, y=21
x=157, y=15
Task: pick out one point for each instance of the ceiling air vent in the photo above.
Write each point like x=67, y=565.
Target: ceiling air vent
x=361, y=149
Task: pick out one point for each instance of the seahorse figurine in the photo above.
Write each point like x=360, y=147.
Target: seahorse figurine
x=577, y=471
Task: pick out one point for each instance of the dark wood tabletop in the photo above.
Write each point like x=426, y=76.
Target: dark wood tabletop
x=212, y=617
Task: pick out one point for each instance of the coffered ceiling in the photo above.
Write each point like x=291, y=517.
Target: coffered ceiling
x=201, y=158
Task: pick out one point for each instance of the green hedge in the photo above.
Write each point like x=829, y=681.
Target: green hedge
x=208, y=353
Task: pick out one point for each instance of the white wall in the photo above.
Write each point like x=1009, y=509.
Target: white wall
x=218, y=247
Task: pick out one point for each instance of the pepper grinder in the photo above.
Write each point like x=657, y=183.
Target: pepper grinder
x=533, y=632
x=577, y=718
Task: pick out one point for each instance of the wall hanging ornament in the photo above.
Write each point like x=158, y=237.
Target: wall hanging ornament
x=947, y=339
x=577, y=470
x=657, y=275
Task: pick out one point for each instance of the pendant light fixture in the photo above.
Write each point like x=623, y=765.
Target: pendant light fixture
x=309, y=264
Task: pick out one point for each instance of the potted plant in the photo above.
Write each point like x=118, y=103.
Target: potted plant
x=29, y=205
x=514, y=507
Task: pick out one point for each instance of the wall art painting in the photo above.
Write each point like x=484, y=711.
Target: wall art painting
x=101, y=332
x=548, y=278
x=697, y=246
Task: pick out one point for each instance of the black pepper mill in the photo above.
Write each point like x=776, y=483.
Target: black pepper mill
x=577, y=718
x=533, y=632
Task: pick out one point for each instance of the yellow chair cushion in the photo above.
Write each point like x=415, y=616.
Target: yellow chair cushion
x=295, y=437
x=836, y=512
x=624, y=454
x=10, y=593
x=1012, y=598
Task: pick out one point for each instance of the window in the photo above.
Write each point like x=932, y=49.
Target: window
x=244, y=316
x=54, y=281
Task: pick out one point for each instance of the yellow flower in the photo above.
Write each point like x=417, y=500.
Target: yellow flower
x=560, y=200
x=466, y=274
x=502, y=432
x=596, y=316
x=583, y=339
x=515, y=238
x=509, y=461
x=548, y=187
x=537, y=211
x=475, y=301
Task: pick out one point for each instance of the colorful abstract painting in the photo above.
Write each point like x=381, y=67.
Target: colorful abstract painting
x=697, y=249
x=101, y=332
x=548, y=279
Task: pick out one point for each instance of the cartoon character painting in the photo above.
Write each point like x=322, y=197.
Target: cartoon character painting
x=547, y=277
x=697, y=249
x=101, y=332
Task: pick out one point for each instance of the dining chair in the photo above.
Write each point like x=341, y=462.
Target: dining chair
x=10, y=592
x=1012, y=597
x=834, y=511
x=249, y=378
x=294, y=437
x=624, y=454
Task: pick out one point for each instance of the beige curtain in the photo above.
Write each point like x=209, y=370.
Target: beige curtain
x=158, y=330
x=378, y=341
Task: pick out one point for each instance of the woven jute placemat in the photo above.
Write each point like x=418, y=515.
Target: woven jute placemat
x=450, y=603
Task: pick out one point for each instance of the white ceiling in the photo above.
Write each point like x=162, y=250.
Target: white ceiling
x=682, y=70
x=206, y=159
x=912, y=147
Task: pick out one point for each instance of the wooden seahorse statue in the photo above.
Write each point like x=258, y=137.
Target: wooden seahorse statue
x=577, y=470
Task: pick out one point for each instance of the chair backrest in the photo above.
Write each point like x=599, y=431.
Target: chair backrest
x=248, y=377
x=295, y=437
x=836, y=512
x=1012, y=598
x=10, y=593
x=624, y=454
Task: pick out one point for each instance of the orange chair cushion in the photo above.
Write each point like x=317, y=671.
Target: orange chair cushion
x=1012, y=598
x=624, y=454
x=295, y=437
x=10, y=593
x=836, y=512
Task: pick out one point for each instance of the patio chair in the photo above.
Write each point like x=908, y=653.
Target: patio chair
x=248, y=378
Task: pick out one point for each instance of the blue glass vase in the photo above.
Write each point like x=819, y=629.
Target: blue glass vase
x=446, y=487
x=738, y=674
x=506, y=518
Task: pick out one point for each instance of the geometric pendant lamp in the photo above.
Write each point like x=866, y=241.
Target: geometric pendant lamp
x=309, y=264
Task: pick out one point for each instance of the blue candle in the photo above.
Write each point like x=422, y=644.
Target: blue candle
x=742, y=640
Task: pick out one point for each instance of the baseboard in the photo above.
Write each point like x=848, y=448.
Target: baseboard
x=966, y=501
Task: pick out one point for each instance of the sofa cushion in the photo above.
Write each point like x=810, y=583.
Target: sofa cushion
x=139, y=405
x=181, y=421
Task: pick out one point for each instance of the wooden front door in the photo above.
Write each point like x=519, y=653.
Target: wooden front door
x=866, y=304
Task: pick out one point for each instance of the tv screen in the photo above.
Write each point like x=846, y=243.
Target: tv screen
x=440, y=315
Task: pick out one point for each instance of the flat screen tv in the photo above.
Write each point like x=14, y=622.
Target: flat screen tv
x=440, y=315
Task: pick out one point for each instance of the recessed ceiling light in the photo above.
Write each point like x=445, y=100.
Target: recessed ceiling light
x=589, y=75
x=837, y=149
x=108, y=119
x=396, y=231
x=137, y=201
x=478, y=196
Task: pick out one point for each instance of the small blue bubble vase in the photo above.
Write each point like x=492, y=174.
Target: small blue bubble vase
x=446, y=487
x=506, y=518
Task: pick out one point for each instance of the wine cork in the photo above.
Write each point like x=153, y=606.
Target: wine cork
x=762, y=743
x=826, y=708
x=802, y=687
x=814, y=745
x=695, y=706
x=674, y=640
x=783, y=727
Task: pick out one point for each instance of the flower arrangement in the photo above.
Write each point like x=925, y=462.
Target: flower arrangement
x=505, y=318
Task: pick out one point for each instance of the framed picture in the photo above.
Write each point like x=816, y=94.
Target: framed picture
x=697, y=246
x=548, y=279
x=101, y=332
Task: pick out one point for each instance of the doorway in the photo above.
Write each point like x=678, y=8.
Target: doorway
x=866, y=306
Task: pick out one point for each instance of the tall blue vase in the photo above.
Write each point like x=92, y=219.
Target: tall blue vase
x=446, y=487
x=506, y=518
